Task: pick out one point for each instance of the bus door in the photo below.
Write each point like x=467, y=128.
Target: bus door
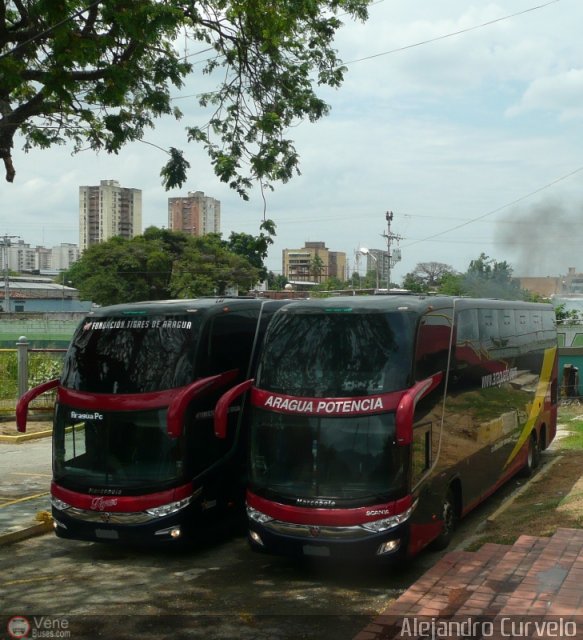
x=228, y=345
x=431, y=359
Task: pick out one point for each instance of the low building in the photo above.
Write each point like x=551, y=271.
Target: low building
x=32, y=295
x=313, y=263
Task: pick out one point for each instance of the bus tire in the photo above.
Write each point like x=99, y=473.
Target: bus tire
x=532, y=456
x=449, y=516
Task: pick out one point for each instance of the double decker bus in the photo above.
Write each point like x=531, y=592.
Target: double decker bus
x=135, y=457
x=376, y=422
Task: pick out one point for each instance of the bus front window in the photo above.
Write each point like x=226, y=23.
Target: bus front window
x=337, y=354
x=336, y=458
x=114, y=449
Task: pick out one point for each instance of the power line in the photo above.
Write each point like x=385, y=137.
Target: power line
x=498, y=209
x=450, y=35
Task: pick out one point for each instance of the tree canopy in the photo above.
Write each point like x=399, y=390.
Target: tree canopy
x=484, y=278
x=100, y=73
x=159, y=265
x=427, y=276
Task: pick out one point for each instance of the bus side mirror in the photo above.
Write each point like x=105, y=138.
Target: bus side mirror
x=178, y=407
x=225, y=401
x=405, y=413
x=27, y=398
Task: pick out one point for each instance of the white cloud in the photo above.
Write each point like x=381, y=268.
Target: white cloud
x=424, y=132
x=561, y=93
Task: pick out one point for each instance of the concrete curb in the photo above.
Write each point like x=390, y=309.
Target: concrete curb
x=25, y=437
x=528, y=485
x=28, y=532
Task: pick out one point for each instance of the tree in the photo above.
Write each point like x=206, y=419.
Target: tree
x=427, y=276
x=208, y=268
x=485, y=278
x=276, y=282
x=254, y=248
x=159, y=265
x=567, y=316
x=316, y=267
x=100, y=74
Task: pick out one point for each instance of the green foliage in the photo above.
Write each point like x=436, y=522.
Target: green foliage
x=485, y=278
x=42, y=367
x=101, y=73
x=316, y=267
x=276, y=282
x=254, y=248
x=159, y=265
x=567, y=316
x=427, y=276
x=575, y=438
x=8, y=374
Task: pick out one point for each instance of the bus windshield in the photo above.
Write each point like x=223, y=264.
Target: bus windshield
x=132, y=354
x=343, y=458
x=337, y=354
x=112, y=449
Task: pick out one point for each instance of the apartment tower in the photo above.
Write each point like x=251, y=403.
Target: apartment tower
x=107, y=211
x=195, y=214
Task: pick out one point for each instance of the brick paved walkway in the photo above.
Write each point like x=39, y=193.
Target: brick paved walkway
x=534, y=577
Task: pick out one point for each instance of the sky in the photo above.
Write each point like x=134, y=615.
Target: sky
x=463, y=119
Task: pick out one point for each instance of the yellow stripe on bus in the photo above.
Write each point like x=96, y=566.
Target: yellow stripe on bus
x=546, y=376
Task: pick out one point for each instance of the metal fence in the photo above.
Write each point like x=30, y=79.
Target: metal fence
x=25, y=367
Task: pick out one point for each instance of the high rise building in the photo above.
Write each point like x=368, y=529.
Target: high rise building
x=63, y=256
x=195, y=214
x=107, y=211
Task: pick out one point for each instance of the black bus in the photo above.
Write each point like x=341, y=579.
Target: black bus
x=135, y=457
x=377, y=421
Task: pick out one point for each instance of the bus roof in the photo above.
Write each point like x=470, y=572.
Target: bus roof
x=407, y=302
x=161, y=307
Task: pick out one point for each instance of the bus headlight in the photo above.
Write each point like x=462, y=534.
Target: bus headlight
x=59, y=504
x=167, y=509
x=376, y=526
x=257, y=516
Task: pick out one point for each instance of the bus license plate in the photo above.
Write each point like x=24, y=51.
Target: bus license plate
x=107, y=534
x=312, y=550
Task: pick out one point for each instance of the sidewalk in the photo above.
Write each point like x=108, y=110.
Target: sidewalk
x=25, y=505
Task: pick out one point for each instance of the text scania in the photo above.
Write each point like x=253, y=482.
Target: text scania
x=333, y=407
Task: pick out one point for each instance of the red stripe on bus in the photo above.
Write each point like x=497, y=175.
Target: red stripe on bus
x=329, y=516
x=117, y=402
x=125, y=504
x=349, y=406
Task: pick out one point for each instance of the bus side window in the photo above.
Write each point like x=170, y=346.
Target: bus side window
x=433, y=338
x=489, y=330
x=231, y=342
x=421, y=451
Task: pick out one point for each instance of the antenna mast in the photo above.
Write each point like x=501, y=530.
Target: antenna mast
x=392, y=256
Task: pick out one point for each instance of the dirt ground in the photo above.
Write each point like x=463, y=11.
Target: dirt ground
x=8, y=428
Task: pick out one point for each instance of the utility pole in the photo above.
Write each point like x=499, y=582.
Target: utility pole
x=392, y=257
x=5, y=244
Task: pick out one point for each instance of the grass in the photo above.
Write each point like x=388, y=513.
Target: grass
x=572, y=419
x=553, y=498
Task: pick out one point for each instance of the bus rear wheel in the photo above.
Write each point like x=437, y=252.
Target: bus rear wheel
x=449, y=516
x=532, y=456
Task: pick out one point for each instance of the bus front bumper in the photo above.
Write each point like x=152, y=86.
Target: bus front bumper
x=121, y=527
x=342, y=543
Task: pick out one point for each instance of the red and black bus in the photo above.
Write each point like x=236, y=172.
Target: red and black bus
x=135, y=457
x=377, y=421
